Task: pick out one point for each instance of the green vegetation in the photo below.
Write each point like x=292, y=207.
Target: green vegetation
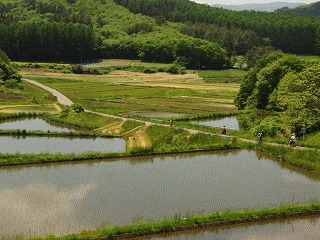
x=177, y=140
x=288, y=87
x=128, y=94
x=306, y=159
x=312, y=9
x=170, y=71
x=193, y=220
x=236, y=31
x=8, y=74
x=227, y=76
x=192, y=34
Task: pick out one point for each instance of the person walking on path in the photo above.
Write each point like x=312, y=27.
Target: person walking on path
x=224, y=130
x=171, y=122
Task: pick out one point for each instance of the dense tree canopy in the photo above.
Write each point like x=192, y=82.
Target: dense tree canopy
x=292, y=33
x=298, y=96
x=87, y=29
x=284, y=83
x=42, y=40
x=161, y=30
x=7, y=72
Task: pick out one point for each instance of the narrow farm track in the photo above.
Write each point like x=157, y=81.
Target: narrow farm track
x=62, y=99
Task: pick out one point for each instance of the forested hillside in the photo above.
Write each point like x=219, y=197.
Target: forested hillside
x=312, y=9
x=292, y=33
x=264, y=7
x=150, y=30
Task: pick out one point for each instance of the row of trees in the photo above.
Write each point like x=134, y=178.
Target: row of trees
x=289, y=32
x=285, y=84
x=45, y=30
x=7, y=72
x=42, y=40
x=113, y=32
x=191, y=52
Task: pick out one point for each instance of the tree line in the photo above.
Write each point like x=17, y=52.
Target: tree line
x=168, y=30
x=288, y=86
x=292, y=33
x=42, y=40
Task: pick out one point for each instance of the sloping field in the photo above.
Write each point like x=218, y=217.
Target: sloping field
x=122, y=92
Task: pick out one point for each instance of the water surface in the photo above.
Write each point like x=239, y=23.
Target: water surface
x=229, y=122
x=35, y=144
x=307, y=228
x=32, y=124
x=69, y=197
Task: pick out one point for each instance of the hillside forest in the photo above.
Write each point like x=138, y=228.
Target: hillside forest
x=178, y=30
x=149, y=30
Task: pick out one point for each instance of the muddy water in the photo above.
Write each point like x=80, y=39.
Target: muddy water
x=32, y=144
x=229, y=122
x=32, y=124
x=293, y=229
x=67, y=198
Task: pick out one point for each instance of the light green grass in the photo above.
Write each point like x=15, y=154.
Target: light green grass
x=229, y=217
x=227, y=75
x=121, y=98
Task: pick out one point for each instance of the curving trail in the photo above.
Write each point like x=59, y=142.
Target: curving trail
x=62, y=99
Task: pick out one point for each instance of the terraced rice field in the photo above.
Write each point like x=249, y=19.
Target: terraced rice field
x=120, y=92
x=67, y=198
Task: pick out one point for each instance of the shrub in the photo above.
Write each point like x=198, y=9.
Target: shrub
x=77, y=108
x=77, y=68
x=11, y=83
x=270, y=126
x=149, y=70
x=173, y=69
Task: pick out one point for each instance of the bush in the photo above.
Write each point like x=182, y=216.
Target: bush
x=270, y=126
x=149, y=70
x=11, y=83
x=173, y=69
x=77, y=68
x=77, y=108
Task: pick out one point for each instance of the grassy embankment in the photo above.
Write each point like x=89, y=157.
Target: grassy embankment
x=119, y=94
x=141, y=139
x=26, y=98
x=156, y=98
x=196, y=221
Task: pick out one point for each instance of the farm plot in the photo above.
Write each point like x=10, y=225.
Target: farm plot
x=145, y=93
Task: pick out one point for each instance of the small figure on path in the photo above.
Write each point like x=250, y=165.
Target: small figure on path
x=260, y=136
x=223, y=130
x=293, y=140
x=171, y=122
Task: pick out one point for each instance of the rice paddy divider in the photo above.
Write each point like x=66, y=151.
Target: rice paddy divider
x=195, y=221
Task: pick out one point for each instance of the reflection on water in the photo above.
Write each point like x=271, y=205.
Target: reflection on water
x=154, y=114
x=295, y=229
x=32, y=124
x=32, y=144
x=67, y=198
x=229, y=122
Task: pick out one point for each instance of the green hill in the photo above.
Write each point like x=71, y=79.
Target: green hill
x=150, y=30
x=312, y=9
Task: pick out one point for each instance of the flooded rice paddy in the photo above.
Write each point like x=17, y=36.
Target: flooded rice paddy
x=34, y=145
x=52, y=144
x=295, y=229
x=33, y=124
x=229, y=122
x=69, y=197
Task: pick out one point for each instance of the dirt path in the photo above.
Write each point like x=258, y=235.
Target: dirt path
x=66, y=101
x=62, y=99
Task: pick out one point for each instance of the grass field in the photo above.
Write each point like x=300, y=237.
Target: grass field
x=227, y=75
x=126, y=93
